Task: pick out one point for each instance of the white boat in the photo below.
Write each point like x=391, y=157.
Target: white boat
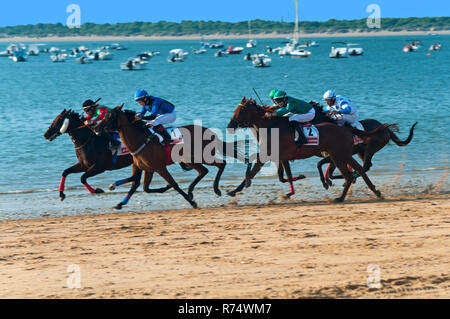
x=106, y=56
x=177, y=55
x=300, y=53
x=83, y=59
x=234, y=50
x=5, y=54
x=338, y=52
x=199, y=51
x=33, y=50
x=133, y=65
x=58, y=58
x=221, y=53
x=261, y=60
x=251, y=43
x=412, y=47
x=215, y=44
x=435, y=47
x=53, y=50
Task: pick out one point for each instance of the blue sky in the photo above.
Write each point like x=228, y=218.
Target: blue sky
x=102, y=11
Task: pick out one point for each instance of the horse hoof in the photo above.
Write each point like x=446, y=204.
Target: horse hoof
x=288, y=195
x=329, y=182
x=218, y=192
x=99, y=191
x=248, y=184
x=62, y=197
x=232, y=194
x=118, y=206
x=325, y=185
x=338, y=200
x=301, y=177
x=378, y=193
x=112, y=187
x=194, y=204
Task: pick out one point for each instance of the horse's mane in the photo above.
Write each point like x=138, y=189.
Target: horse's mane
x=131, y=117
x=71, y=114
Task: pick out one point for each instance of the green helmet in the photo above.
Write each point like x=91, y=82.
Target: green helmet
x=272, y=93
x=279, y=95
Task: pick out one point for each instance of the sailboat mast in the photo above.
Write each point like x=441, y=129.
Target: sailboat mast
x=249, y=30
x=296, y=22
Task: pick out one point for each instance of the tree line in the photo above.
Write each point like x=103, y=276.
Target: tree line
x=186, y=27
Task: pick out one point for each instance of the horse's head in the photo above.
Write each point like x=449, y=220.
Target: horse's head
x=320, y=116
x=60, y=125
x=245, y=114
x=111, y=122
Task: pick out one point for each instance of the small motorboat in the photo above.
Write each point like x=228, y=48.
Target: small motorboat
x=5, y=54
x=235, y=50
x=19, y=56
x=199, y=51
x=300, y=53
x=251, y=43
x=117, y=46
x=412, y=47
x=33, y=50
x=133, y=65
x=216, y=45
x=435, y=47
x=58, y=58
x=352, y=51
x=105, y=56
x=83, y=59
x=261, y=60
x=177, y=55
x=340, y=52
x=221, y=53
x=145, y=55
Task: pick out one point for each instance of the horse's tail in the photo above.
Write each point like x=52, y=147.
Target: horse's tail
x=234, y=149
x=400, y=142
x=380, y=128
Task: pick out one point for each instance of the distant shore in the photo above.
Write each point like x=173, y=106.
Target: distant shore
x=97, y=38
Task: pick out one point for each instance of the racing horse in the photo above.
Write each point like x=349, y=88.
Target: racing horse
x=150, y=156
x=93, y=153
x=337, y=141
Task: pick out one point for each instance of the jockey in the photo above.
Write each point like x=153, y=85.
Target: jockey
x=162, y=112
x=337, y=104
x=95, y=113
x=297, y=110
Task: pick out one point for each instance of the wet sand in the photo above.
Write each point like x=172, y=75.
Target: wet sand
x=287, y=250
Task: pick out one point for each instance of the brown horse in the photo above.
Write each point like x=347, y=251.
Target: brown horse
x=337, y=141
x=150, y=156
x=94, y=156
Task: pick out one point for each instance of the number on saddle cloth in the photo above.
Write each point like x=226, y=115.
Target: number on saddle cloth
x=311, y=133
x=174, y=132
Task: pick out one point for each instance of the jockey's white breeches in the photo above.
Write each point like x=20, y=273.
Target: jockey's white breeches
x=302, y=118
x=348, y=118
x=164, y=119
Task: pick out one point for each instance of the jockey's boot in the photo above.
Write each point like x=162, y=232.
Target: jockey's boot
x=166, y=136
x=113, y=143
x=301, y=136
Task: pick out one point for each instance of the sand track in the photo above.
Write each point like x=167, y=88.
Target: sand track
x=286, y=250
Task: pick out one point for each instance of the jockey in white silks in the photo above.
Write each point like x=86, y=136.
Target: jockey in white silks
x=342, y=109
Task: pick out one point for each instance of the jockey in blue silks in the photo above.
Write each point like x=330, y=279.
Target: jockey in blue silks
x=161, y=112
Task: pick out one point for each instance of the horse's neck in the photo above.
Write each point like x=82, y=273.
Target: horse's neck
x=130, y=135
x=78, y=135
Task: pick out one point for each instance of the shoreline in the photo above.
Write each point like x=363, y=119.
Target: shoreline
x=96, y=38
x=288, y=250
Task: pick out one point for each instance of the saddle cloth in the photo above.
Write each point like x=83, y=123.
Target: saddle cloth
x=174, y=132
x=356, y=139
x=311, y=133
x=122, y=149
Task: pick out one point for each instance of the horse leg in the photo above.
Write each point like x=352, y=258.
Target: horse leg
x=77, y=168
x=353, y=163
x=280, y=173
x=119, y=182
x=220, y=169
x=342, y=166
x=202, y=171
x=287, y=168
x=322, y=177
x=136, y=181
x=148, y=175
x=169, y=179
x=92, y=171
x=248, y=176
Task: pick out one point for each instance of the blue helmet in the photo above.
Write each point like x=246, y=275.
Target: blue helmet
x=141, y=94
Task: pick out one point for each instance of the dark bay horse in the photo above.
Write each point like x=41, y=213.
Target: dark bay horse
x=93, y=153
x=150, y=156
x=337, y=141
x=365, y=150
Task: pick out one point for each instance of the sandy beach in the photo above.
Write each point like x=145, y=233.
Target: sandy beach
x=287, y=250
x=218, y=36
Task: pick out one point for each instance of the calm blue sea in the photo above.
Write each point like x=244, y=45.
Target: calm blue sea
x=385, y=83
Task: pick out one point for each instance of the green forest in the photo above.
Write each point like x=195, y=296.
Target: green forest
x=164, y=28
